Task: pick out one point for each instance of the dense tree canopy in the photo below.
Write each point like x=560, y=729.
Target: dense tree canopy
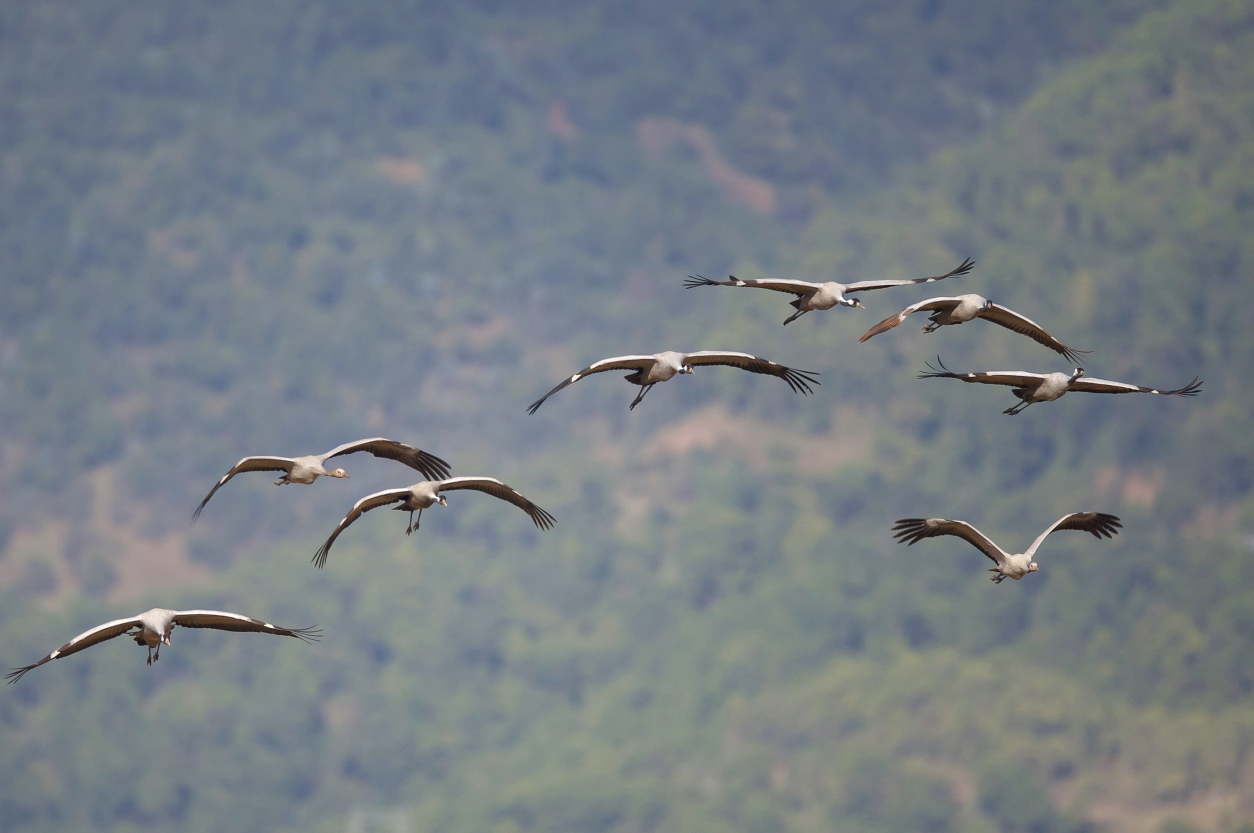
x=237, y=228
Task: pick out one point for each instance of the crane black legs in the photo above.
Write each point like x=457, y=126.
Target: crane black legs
x=640, y=397
x=413, y=525
x=794, y=316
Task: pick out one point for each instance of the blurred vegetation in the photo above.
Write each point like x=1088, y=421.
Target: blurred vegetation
x=235, y=228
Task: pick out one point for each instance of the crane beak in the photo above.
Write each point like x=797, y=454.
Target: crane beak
x=165, y=640
x=442, y=501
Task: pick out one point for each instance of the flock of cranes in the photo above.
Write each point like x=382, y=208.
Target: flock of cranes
x=152, y=628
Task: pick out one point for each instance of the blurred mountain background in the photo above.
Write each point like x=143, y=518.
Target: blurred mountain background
x=232, y=228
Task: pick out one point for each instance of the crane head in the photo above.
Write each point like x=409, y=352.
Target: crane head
x=340, y=473
x=440, y=500
x=1032, y=568
x=854, y=302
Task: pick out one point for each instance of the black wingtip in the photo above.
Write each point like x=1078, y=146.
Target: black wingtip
x=962, y=269
x=543, y=519
x=17, y=674
x=694, y=281
x=908, y=530
x=801, y=380
x=433, y=468
x=306, y=635
x=937, y=371
x=1073, y=355
x=1191, y=389
x=1107, y=526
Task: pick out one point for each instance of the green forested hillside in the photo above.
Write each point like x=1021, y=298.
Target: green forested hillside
x=231, y=229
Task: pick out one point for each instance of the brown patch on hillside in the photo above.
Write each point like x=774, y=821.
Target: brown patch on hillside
x=102, y=548
x=1213, y=811
x=1210, y=522
x=713, y=428
x=657, y=136
x=633, y=511
x=342, y=712
x=240, y=274
x=1142, y=490
x=1134, y=488
x=640, y=285
x=481, y=333
x=401, y=170
x=163, y=244
x=559, y=122
x=1117, y=797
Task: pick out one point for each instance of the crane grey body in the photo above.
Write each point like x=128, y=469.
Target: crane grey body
x=821, y=296
x=1046, y=387
x=960, y=309
x=1007, y=565
x=967, y=308
x=307, y=469
x=426, y=494
x=648, y=371
x=152, y=629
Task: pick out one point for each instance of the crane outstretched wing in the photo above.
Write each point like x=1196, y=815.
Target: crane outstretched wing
x=494, y=487
x=789, y=285
x=432, y=467
x=84, y=640
x=799, y=380
x=364, y=505
x=893, y=320
x=1023, y=325
x=1104, y=386
x=616, y=363
x=1009, y=378
x=223, y=621
x=867, y=286
x=1098, y=524
x=247, y=464
x=912, y=530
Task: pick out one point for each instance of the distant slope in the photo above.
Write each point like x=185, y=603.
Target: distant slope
x=226, y=229
x=1113, y=206
x=720, y=633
